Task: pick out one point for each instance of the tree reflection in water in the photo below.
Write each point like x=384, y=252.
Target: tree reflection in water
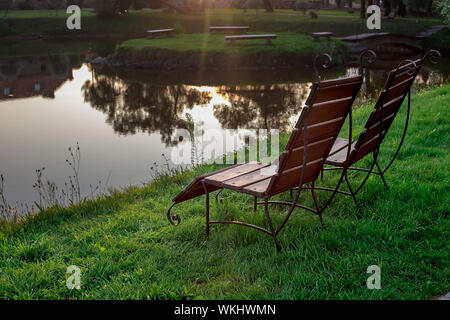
x=261, y=106
x=136, y=106
x=133, y=107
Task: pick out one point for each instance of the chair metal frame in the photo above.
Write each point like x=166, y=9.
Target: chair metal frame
x=412, y=69
x=273, y=231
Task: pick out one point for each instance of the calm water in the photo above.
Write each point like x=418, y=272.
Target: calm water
x=124, y=121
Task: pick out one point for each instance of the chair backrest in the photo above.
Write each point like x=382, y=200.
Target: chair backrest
x=320, y=121
x=386, y=108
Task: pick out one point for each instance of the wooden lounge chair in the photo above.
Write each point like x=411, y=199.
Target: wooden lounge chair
x=397, y=87
x=320, y=121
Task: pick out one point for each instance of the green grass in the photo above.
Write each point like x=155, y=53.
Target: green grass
x=286, y=43
x=137, y=22
x=126, y=248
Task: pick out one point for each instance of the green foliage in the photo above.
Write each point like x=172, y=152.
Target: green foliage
x=443, y=8
x=126, y=248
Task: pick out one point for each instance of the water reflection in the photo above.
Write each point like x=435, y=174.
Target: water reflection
x=133, y=107
x=260, y=106
x=35, y=76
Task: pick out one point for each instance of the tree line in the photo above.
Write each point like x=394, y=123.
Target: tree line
x=113, y=7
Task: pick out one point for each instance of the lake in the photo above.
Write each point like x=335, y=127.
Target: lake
x=124, y=120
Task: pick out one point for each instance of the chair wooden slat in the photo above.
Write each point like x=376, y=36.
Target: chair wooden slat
x=246, y=179
x=334, y=93
x=365, y=149
x=329, y=110
x=258, y=188
x=388, y=109
x=397, y=91
x=290, y=178
x=237, y=171
x=291, y=159
x=374, y=130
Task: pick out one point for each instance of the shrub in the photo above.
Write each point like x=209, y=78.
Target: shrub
x=109, y=8
x=179, y=29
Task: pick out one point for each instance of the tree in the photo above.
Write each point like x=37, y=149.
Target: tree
x=109, y=8
x=268, y=5
x=363, y=9
x=418, y=5
x=55, y=4
x=5, y=5
x=254, y=4
x=302, y=5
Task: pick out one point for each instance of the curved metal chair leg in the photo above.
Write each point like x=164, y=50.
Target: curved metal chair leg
x=369, y=172
x=313, y=194
x=405, y=129
x=316, y=203
x=381, y=175
x=217, y=195
x=321, y=221
x=207, y=208
x=272, y=229
x=173, y=218
x=352, y=193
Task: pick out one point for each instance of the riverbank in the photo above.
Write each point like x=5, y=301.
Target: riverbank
x=45, y=24
x=212, y=51
x=126, y=248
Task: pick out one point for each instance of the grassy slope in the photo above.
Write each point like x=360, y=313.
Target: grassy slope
x=126, y=248
x=286, y=43
x=135, y=23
